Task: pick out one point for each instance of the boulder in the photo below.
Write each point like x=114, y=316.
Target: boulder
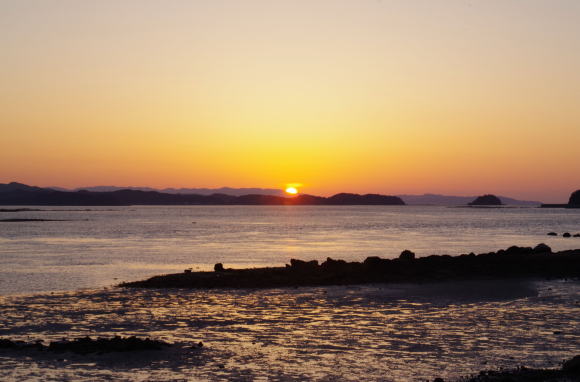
x=331, y=264
x=542, y=248
x=407, y=255
x=303, y=265
x=219, y=267
x=552, y=234
x=566, y=234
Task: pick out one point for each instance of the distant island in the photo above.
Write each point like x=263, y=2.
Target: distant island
x=408, y=199
x=452, y=200
x=21, y=194
x=573, y=202
x=486, y=200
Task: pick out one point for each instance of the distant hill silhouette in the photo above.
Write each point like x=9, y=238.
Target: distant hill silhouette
x=21, y=194
x=197, y=191
x=486, y=200
x=449, y=200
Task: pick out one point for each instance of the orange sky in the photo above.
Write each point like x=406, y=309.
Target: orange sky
x=456, y=97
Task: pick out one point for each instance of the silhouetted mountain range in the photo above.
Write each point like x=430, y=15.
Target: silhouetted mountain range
x=425, y=199
x=21, y=194
x=197, y=191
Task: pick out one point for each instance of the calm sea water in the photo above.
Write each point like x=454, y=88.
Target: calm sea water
x=100, y=246
x=372, y=332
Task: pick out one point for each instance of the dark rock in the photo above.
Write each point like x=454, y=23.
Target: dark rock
x=188, y=270
x=303, y=265
x=514, y=262
x=7, y=344
x=552, y=234
x=219, y=267
x=331, y=264
x=486, y=200
x=515, y=250
x=572, y=366
x=566, y=234
x=542, y=248
x=407, y=255
x=87, y=345
x=373, y=261
x=577, y=235
x=574, y=198
x=438, y=380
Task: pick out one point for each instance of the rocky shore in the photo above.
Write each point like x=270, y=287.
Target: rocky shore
x=570, y=371
x=514, y=262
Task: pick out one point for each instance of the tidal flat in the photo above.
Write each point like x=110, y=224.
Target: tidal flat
x=395, y=332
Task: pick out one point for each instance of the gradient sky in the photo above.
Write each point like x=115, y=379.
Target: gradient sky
x=456, y=97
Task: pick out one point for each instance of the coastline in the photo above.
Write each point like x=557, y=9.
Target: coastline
x=514, y=262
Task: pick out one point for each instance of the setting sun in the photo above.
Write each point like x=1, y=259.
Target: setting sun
x=291, y=190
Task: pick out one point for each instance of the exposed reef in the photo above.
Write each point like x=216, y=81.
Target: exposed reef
x=514, y=262
x=570, y=371
x=87, y=345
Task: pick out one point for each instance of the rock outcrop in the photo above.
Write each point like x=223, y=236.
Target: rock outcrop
x=513, y=262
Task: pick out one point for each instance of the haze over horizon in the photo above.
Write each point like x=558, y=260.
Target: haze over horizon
x=393, y=97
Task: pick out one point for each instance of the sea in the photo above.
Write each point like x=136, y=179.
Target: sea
x=58, y=279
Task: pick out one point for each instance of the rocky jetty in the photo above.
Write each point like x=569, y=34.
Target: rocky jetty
x=514, y=262
x=486, y=200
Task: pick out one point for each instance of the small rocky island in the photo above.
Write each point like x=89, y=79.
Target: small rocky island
x=574, y=199
x=486, y=200
x=514, y=262
x=573, y=202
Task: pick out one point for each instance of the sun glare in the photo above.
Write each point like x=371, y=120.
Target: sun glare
x=291, y=190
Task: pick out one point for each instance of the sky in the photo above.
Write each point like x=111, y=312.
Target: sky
x=454, y=97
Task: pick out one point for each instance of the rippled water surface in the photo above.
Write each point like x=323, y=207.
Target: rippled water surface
x=387, y=333
x=101, y=246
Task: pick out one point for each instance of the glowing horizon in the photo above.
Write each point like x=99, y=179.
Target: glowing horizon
x=390, y=97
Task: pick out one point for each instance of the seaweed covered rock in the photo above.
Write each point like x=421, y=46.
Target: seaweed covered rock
x=486, y=200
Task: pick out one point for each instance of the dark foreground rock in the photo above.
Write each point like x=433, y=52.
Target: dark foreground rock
x=570, y=371
x=87, y=345
x=514, y=262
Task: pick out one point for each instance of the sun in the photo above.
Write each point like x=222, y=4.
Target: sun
x=291, y=190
